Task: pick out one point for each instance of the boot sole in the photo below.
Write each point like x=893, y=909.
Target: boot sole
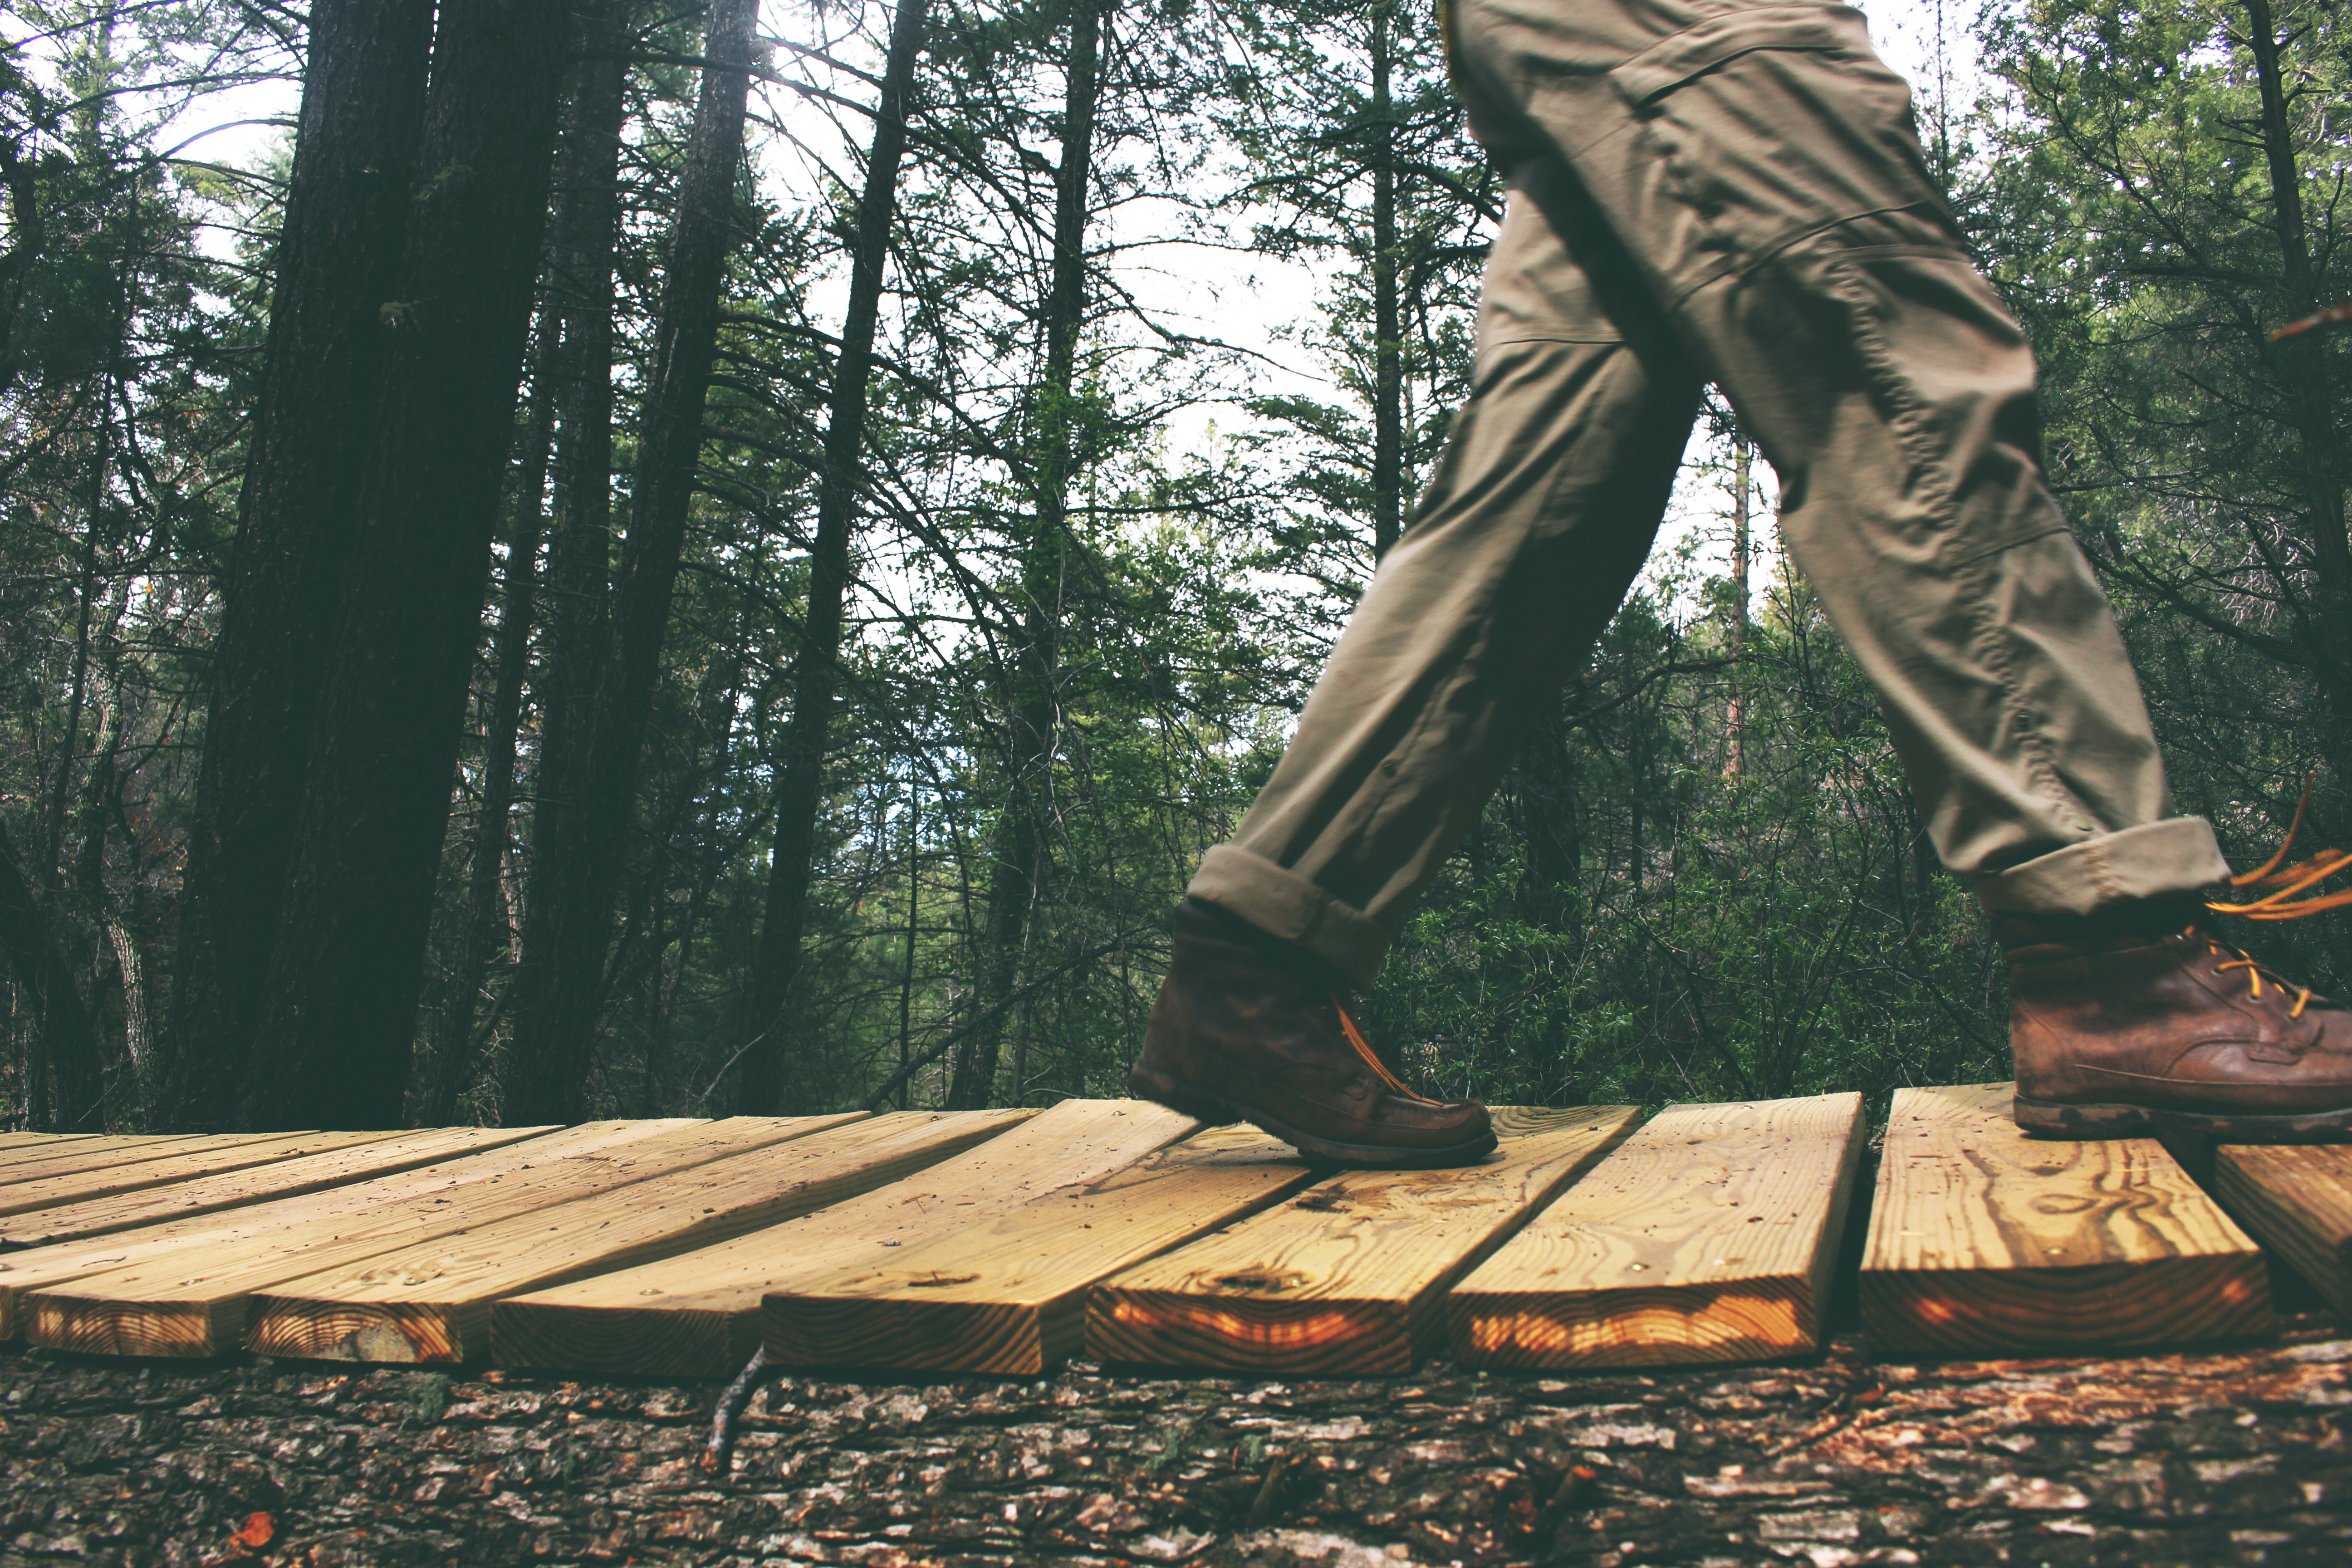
x=1146, y=1083
x=2047, y=1119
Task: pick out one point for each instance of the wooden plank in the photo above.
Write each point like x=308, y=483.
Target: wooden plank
x=311, y=1220
x=1708, y=1236
x=107, y=1177
x=1983, y=1239
x=196, y=1304
x=2297, y=1201
x=257, y=1183
x=1008, y=1296
x=15, y=1146
x=432, y=1302
x=1349, y=1278
x=697, y=1315
x=86, y=1154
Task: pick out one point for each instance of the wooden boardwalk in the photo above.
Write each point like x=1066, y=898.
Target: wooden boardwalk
x=1006, y=1241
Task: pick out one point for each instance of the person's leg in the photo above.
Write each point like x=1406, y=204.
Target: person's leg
x=1762, y=165
x=1538, y=516
x=1540, y=512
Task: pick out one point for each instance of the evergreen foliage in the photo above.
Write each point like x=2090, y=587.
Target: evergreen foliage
x=1093, y=552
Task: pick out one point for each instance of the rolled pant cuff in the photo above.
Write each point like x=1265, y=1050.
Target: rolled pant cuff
x=2178, y=855
x=1283, y=903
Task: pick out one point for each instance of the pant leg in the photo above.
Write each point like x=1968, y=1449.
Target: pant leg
x=1540, y=514
x=1762, y=165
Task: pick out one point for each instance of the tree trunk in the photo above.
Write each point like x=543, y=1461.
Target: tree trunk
x=1388, y=321
x=68, y=1046
x=338, y=263
x=334, y=1045
x=552, y=1043
x=2310, y=394
x=800, y=789
x=1735, y=718
x=579, y=552
x=1031, y=715
x=482, y=932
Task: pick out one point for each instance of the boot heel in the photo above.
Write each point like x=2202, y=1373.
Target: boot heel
x=1150, y=1083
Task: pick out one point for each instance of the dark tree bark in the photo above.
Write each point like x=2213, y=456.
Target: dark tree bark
x=1031, y=715
x=484, y=926
x=334, y=1045
x=338, y=263
x=553, y=1041
x=800, y=791
x=68, y=1046
x=1388, y=320
x=2311, y=397
x=579, y=554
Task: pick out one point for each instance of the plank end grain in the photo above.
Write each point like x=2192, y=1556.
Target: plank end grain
x=2297, y=1201
x=1984, y=1240
x=98, y=1325
x=1708, y=1236
x=1351, y=1276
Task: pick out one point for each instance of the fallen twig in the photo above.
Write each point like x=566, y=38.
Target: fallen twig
x=718, y=1454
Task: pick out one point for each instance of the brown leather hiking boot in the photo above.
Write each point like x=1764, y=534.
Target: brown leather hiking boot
x=1248, y=1028
x=2143, y=1018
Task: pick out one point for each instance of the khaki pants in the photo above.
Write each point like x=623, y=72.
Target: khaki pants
x=1707, y=192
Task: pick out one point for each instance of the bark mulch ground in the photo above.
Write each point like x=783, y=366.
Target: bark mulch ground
x=2235, y=1455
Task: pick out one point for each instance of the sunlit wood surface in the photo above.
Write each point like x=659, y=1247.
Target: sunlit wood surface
x=1984, y=1239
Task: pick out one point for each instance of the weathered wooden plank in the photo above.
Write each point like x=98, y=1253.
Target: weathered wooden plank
x=2297, y=1201
x=432, y=1302
x=15, y=1146
x=311, y=1220
x=1709, y=1235
x=48, y=1190
x=697, y=1315
x=1983, y=1239
x=1349, y=1278
x=1008, y=1295
x=255, y=1184
x=195, y=1304
x=126, y=1148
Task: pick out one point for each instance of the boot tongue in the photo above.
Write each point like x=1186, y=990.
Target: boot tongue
x=2133, y=923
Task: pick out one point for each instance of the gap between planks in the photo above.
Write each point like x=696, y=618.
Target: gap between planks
x=45, y=1186
x=1007, y=1296
x=1985, y=1240
x=259, y=1183
x=431, y=1302
x=1710, y=1235
x=1349, y=1278
x=192, y=1301
x=697, y=1314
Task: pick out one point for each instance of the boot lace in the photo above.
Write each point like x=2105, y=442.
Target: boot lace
x=2278, y=883
x=1355, y=1033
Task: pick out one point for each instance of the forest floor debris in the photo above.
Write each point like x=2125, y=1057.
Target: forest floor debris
x=2231, y=1456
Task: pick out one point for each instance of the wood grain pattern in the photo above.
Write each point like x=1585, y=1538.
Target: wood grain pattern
x=2297, y=1201
x=311, y=1220
x=1709, y=1235
x=193, y=1300
x=1986, y=1240
x=48, y=1189
x=130, y=1148
x=697, y=1314
x=431, y=1302
x=1008, y=1295
x=1349, y=1276
x=15, y=1146
x=257, y=1183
